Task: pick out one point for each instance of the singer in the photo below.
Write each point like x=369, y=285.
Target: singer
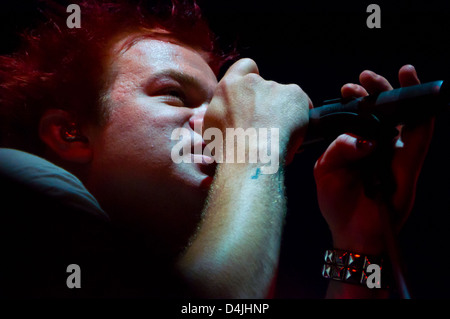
x=87, y=177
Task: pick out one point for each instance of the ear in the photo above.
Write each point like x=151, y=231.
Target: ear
x=53, y=128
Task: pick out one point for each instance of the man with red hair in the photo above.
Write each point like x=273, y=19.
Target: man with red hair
x=101, y=102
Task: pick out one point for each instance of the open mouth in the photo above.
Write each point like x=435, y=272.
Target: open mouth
x=209, y=169
x=206, y=163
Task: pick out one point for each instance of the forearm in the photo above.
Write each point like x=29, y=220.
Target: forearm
x=235, y=251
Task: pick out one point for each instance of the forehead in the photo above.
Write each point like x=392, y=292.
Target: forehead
x=148, y=56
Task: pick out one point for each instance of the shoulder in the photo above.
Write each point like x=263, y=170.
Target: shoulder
x=48, y=221
x=28, y=173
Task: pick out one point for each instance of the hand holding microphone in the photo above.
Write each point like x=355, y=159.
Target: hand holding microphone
x=370, y=112
x=352, y=216
x=367, y=115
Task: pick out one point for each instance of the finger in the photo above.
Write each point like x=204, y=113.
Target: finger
x=214, y=115
x=343, y=152
x=353, y=90
x=415, y=137
x=242, y=67
x=407, y=76
x=373, y=82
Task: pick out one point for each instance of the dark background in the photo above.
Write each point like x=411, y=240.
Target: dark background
x=321, y=45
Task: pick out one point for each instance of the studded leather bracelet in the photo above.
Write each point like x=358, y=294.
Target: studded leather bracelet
x=354, y=268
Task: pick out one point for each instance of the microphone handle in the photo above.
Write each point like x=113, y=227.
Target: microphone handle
x=367, y=116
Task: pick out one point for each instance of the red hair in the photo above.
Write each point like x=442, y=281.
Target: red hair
x=59, y=67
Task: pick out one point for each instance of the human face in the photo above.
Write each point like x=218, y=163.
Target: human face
x=158, y=86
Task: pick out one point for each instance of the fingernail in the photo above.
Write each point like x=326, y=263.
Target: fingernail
x=363, y=144
x=371, y=73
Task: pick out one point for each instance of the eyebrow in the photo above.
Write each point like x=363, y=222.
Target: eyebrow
x=179, y=76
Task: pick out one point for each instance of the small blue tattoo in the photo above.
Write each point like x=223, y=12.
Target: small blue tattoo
x=258, y=171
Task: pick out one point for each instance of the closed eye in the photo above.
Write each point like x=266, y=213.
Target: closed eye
x=173, y=96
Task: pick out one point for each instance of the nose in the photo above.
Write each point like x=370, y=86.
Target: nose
x=196, y=120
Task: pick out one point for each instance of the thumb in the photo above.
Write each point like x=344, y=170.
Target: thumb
x=344, y=151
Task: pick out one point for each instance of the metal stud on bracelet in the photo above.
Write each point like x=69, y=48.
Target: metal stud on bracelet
x=351, y=267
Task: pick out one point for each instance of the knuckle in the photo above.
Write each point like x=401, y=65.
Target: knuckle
x=296, y=89
x=249, y=79
x=248, y=63
x=252, y=78
x=297, y=93
x=225, y=82
x=272, y=85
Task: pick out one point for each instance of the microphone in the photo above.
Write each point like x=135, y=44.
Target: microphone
x=376, y=114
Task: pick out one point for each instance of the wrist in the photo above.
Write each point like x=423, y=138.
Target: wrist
x=357, y=268
x=366, y=245
x=259, y=159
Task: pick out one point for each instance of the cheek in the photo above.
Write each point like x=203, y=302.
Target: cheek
x=142, y=133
